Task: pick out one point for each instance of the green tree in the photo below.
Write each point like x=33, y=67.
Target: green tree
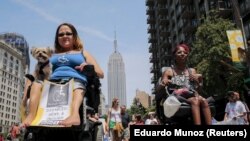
x=212, y=56
x=137, y=108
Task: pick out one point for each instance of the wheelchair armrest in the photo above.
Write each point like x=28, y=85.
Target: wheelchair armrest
x=210, y=100
x=89, y=70
x=182, y=99
x=90, y=110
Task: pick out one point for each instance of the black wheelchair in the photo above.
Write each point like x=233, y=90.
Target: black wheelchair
x=87, y=130
x=184, y=114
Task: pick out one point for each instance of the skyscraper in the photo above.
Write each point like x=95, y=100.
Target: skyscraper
x=171, y=22
x=116, y=77
x=14, y=63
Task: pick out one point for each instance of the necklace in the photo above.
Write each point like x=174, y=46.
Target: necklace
x=182, y=78
x=181, y=75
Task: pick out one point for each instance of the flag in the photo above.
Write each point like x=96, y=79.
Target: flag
x=236, y=43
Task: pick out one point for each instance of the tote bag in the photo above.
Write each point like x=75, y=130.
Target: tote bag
x=171, y=105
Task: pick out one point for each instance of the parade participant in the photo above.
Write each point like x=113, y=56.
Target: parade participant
x=68, y=62
x=186, y=82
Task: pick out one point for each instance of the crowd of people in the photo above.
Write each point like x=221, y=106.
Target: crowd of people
x=69, y=61
x=116, y=125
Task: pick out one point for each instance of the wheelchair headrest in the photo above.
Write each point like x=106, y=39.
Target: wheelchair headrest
x=163, y=69
x=210, y=100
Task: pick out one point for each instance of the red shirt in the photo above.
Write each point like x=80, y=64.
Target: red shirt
x=14, y=132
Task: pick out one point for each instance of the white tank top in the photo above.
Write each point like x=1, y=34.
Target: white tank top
x=115, y=115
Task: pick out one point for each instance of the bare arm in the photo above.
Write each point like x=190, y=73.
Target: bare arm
x=197, y=78
x=108, y=118
x=165, y=79
x=27, y=84
x=225, y=116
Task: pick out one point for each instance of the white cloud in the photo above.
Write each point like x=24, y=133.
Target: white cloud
x=57, y=20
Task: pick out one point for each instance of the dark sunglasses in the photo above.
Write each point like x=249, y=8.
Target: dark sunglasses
x=67, y=34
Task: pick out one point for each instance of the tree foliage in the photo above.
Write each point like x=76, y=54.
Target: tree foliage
x=211, y=55
x=137, y=108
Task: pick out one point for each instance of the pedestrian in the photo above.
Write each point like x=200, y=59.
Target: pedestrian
x=151, y=119
x=1, y=137
x=125, y=121
x=15, y=132
x=115, y=120
x=247, y=117
x=235, y=111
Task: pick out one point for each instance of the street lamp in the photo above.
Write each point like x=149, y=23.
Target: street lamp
x=240, y=25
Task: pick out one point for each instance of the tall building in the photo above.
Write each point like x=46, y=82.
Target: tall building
x=144, y=98
x=17, y=41
x=171, y=22
x=116, y=77
x=13, y=66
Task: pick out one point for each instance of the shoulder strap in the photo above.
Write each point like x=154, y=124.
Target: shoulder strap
x=83, y=54
x=172, y=68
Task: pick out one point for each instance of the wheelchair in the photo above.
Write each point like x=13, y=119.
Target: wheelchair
x=87, y=130
x=184, y=114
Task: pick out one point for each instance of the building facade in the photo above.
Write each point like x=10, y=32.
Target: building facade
x=12, y=70
x=14, y=64
x=116, y=77
x=144, y=98
x=171, y=22
x=17, y=41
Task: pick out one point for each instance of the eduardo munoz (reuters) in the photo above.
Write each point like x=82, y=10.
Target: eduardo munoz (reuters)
x=180, y=132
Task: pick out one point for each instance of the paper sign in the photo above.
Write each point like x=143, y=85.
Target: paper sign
x=55, y=104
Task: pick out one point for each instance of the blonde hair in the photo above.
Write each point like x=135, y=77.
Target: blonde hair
x=114, y=101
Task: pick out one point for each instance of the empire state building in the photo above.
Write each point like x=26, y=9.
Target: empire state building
x=116, y=77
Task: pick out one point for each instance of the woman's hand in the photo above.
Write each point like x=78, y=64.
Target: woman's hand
x=81, y=67
x=196, y=78
x=165, y=82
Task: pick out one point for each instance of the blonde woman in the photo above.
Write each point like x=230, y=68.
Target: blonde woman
x=114, y=117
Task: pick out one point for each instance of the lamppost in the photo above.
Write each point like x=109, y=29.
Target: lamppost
x=240, y=25
x=239, y=21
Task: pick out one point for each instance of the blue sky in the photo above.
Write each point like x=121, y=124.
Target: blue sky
x=96, y=21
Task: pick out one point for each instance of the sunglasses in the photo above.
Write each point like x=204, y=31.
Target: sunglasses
x=67, y=34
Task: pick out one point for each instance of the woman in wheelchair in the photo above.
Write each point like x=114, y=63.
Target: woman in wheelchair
x=185, y=82
x=68, y=61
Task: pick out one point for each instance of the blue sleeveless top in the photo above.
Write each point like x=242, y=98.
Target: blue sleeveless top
x=63, y=66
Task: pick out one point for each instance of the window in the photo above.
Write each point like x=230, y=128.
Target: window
x=5, y=61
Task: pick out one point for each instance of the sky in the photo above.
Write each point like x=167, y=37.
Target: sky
x=96, y=22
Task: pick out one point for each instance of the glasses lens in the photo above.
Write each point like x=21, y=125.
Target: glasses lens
x=67, y=34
